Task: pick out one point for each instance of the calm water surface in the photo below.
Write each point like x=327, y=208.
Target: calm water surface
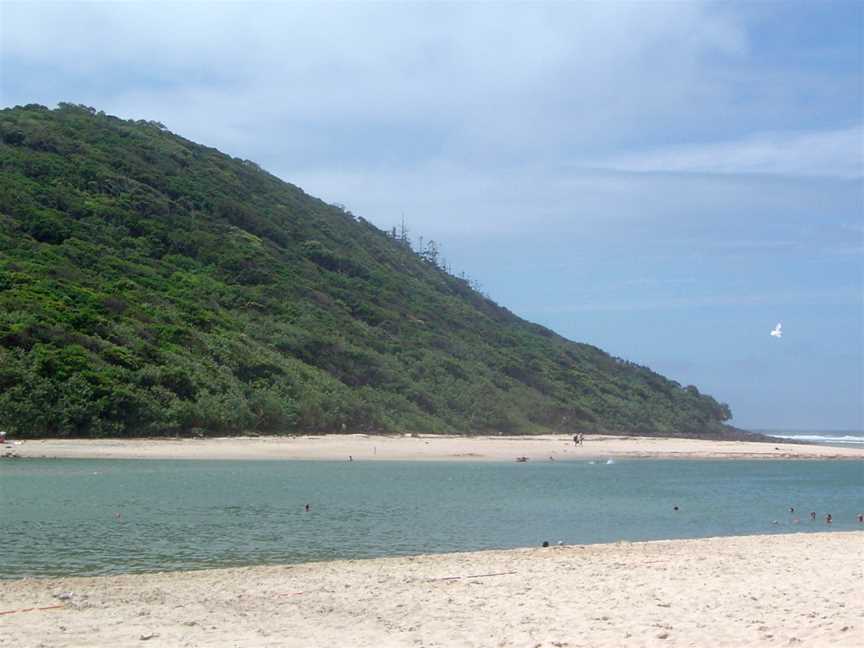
x=60, y=516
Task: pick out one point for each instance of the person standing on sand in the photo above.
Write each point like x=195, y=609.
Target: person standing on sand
x=575, y=439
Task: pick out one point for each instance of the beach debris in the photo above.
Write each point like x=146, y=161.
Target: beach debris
x=521, y=459
x=148, y=637
x=447, y=578
x=73, y=599
x=33, y=609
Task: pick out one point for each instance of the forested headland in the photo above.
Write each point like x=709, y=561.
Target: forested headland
x=153, y=286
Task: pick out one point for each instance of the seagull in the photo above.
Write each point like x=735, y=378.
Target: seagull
x=777, y=332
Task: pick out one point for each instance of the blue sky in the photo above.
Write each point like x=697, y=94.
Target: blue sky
x=666, y=181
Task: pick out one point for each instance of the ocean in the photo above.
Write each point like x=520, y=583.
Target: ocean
x=849, y=438
x=62, y=517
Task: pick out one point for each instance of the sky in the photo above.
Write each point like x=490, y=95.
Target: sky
x=664, y=180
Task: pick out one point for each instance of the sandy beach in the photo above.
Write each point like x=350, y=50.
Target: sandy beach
x=780, y=590
x=363, y=447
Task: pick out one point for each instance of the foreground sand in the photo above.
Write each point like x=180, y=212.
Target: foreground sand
x=425, y=447
x=783, y=590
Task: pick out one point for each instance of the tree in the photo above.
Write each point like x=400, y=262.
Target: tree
x=430, y=253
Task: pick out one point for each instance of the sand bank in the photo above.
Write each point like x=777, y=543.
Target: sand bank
x=781, y=590
x=426, y=447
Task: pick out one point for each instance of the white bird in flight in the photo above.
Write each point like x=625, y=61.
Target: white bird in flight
x=777, y=332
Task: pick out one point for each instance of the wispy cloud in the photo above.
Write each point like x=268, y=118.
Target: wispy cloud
x=851, y=251
x=816, y=297
x=450, y=201
x=834, y=153
x=755, y=244
x=658, y=281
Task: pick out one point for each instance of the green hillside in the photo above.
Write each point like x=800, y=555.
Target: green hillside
x=150, y=285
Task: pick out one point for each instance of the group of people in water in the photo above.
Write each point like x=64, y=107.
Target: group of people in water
x=828, y=517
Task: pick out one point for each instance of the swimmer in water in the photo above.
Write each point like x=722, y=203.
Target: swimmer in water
x=828, y=519
x=307, y=508
x=812, y=515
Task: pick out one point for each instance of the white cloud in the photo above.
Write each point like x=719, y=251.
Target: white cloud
x=837, y=153
x=499, y=83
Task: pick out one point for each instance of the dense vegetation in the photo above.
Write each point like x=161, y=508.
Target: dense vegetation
x=150, y=285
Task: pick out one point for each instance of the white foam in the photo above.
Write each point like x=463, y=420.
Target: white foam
x=821, y=438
